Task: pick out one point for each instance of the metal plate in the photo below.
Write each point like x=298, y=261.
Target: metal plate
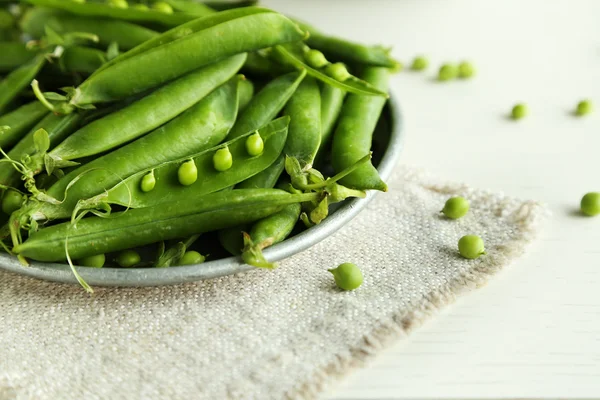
x=385, y=156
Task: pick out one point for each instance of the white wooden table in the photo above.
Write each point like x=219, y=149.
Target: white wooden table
x=534, y=330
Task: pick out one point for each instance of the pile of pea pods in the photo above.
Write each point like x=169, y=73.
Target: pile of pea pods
x=136, y=125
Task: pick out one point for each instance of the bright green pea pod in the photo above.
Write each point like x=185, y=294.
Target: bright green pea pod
x=265, y=179
x=14, y=54
x=354, y=133
x=202, y=126
x=332, y=100
x=351, y=85
x=128, y=192
x=146, y=114
x=191, y=7
x=304, y=109
x=350, y=52
x=267, y=103
x=57, y=128
x=20, y=121
x=79, y=59
x=246, y=93
x=126, y=34
x=19, y=79
x=90, y=9
x=181, y=218
x=269, y=231
x=185, y=30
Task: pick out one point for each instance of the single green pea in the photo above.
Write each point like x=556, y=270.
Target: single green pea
x=419, y=63
x=447, y=72
x=471, y=247
x=584, y=107
x=222, y=160
x=11, y=201
x=347, y=276
x=456, y=207
x=466, y=70
x=96, y=261
x=128, y=258
x=187, y=173
x=519, y=111
x=590, y=204
x=142, y=7
x=255, y=145
x=315, y=58
x=163, y=7
x=148, y=182
x=338, y=71
x=191, y=257
x=118, y=3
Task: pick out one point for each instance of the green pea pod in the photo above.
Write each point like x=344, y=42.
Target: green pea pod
x=265, y=179
x=261, y=66
x=129, y=192
x=354, y=133
x=202, y=126
x=176, y=58
x=246, y=93
x=332, y=100
x=269, y=231
x=14, y=54
x=347, y=51
x=267, y=103
x=126, y=34
x=19, y=79
x=57, y=128
x=191, y=7
x=148, y=113
x=184, y=217
x=351, y=84
x=185, y=30
x=79, y=59
x=304, y=109
x=20, y=121
x=227, y=5
x=104, y=10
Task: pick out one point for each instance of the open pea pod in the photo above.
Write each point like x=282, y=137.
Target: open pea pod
x=352, y=84
x=167, y=187
x=127, y=14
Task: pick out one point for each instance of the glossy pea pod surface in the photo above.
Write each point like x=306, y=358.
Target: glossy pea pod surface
x=148, y=113
x=332, y=100
x=173, y=59
x=202, y=126
x=184, y=217
x=354, y=133
x=20, y=78
x=130, y=193
x=20, y=121
x=126, y=34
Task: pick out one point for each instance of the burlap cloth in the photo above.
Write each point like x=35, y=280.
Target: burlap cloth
x=262, y=334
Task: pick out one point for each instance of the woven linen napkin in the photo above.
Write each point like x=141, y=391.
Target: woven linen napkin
x=286, y=333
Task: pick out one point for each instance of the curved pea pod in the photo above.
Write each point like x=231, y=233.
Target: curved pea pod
x=176, y=58
x=146, y=114
x=332, y=100
x=56, y=128
x=265, y=179
x=79, y=59
x=129, y=192
x=126, y=34
x=267, y=103
x=304, y=109
x=19, y=79
x=202, y=126
x=354, y=133
x=267, y=232
x=14, y=54
x=20, y=121
x=246, y=89
x=184, y=217
x=89, y=9
x=347, y=51
x=351, y=84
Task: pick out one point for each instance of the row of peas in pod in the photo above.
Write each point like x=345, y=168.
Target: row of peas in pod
x=148, y=134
